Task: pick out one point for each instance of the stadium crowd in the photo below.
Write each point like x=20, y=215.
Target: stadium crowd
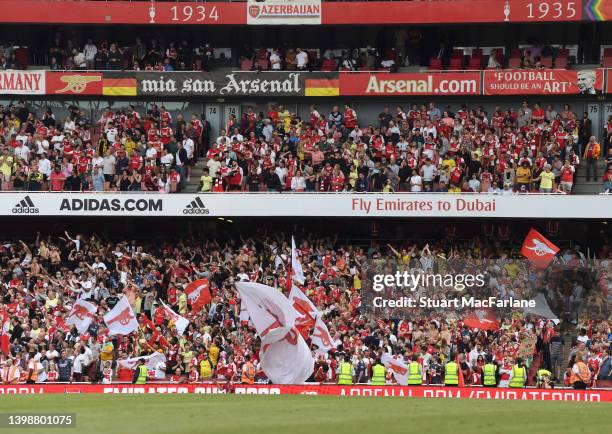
x=420, y=148
x=41, y=279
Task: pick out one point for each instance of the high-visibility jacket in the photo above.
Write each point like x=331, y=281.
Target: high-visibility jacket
x=346, y=373
x=451, y=374
x=378, y=375
x=583, y=375
x=518, y=376
x=248, y=375
x=414, y=374
x=142, y=375
x=488, y=377
x=541, y=374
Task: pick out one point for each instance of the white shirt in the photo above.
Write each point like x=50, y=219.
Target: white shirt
x=302, y=59
x=90, y=51
x=189, y=147
x=275, y=61
x=44, y=166
x=415, y=183
x=167, y=159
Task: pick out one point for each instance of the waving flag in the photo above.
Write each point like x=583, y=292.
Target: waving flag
x=5, y=337
x=296, y=264
x=180, y=322
x=538, y=249
x=198, y=294
x=121, y=320
x=81, y=315
x=285, y=357
x=397, y=367
x=322, y=338
x=151, y=361
x=305, y=309
x=483, y=319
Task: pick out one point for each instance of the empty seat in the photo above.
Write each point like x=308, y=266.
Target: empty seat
x=477, y=53
x=514, y=63
x=435, y=64
x=516, y=53
x=546, y=62
x=329, y=65
x=455, y=64
x=561, y=62
x=563, y=52
x=475, y=63
x=246, y=65
x=457, y=53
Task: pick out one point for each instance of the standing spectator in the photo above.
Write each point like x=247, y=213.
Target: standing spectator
x=90, y=52
x=592, y=152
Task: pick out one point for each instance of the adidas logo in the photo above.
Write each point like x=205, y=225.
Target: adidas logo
x=25, y=206
x=196, y=206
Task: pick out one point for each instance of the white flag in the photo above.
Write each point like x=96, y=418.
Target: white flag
x=81, y=315
x=288, y=361
x=322, y=338
x=285, y=357
x=121, y=320
x=151, y=361
x=244, y=315
x=180, y=322
x=397, y=367
x=271, y=313
x=296, y=264
x=302, y=304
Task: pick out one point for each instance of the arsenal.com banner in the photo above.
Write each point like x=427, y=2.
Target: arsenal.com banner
x=320, y=389
x=434, y=83
x=543, y=82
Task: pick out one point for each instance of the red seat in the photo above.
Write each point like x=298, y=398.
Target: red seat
x=264, y=64
x=457, y=54
x=477, y=53
x=475, y=63
x=516, y=53
x=435, y=64
x=455, y=64
x=561, y=62
x=546, y=62
x=246, y=64
x=563, y=52
x=514, y=63
x=329, y=65
x=607, y=62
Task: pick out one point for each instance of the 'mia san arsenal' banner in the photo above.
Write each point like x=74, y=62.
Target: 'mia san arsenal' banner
x=283, y=12
x=389, y=84
x=318, y=389
x=229, y=84
x=543, y=82
x=14, y=82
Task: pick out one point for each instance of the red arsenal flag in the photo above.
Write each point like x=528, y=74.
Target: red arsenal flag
x=538, y=249
x=483, y=319
x=198, y=294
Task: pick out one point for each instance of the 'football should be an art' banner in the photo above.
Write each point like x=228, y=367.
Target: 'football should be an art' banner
x=543, y=82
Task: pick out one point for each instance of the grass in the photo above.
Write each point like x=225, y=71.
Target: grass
x=186, y=414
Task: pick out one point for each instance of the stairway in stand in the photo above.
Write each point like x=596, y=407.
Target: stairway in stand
x=594, y=186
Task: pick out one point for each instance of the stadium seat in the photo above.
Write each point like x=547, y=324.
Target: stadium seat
x=546, y=62
x=455, y=64
x=475, y=63
x=457, y=54
x=435, y=64
x=264, y=64
x=246, y=64
x=516, y=53
x=514, y=63
x=329, y=65
x=563, y=52
x=607, y=58
x=477, y=53
x=561, y=62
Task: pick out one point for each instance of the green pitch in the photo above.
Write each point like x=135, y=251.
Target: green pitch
x=186, y=414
